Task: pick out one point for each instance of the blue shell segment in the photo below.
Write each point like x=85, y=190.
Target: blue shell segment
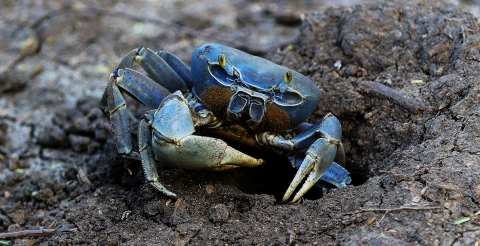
x=298, y=98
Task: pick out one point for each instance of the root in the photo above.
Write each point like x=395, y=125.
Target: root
x=383, y=92
x=28, y=233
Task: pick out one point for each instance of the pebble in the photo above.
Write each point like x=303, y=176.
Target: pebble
x=13, y=164
x=219, y=213
x=79, y=143
x=27, y=41
x=52, y=136
x=476, y=192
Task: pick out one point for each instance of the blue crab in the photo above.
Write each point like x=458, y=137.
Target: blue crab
x=232, y=95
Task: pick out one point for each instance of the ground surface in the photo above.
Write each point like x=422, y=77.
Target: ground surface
x=414, y=149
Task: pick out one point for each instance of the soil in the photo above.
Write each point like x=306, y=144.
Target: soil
x=407, y=94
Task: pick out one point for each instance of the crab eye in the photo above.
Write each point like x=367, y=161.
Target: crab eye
x=222, y=60
x=288, y=76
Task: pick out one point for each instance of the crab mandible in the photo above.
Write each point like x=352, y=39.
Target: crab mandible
x=233, y=95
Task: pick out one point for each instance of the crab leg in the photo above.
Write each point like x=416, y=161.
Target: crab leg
x=165, y=77
x=141, y=87
x=148, y=160
x=160, y=71
x=118, y=113
x=178, y=66
x=167, y=74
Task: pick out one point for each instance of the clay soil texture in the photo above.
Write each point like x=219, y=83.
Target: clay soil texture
x=403, y=79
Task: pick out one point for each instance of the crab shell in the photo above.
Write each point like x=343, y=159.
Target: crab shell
x=249, y=85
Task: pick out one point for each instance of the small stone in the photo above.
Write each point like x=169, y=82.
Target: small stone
x=371, y=221
x=3, y=131
x=219, y=213
x=27, y=41
x=4, y=220
x=79, y=143
x=476, y=192
x=44, y=194
x=13, y=163
x=210, y=188
x=52, y=136
x=14, y=227
x=18, y=217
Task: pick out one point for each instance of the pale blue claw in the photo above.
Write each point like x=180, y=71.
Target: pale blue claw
x=318, y=159
x=313, y=151
x=168, y=132
x=319, y=156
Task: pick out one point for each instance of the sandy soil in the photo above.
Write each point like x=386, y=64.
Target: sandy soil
x=407, y=95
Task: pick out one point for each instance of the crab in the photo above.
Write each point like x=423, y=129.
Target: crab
x=230, y=95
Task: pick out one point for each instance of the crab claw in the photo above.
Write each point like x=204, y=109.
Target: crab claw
x=319, y=157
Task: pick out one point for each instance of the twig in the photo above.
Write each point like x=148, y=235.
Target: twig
x=27, y=233
x=381, y=219
x=384, y=92
x=392, y=209
x=388, y=210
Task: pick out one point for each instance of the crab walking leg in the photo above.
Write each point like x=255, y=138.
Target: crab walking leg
x=148, y=160
x=114, y=106
x=141, y=87
x=178, y=66
x=166, y=76
x=163, y=67
x=119, y=118
x=160, y=71
x=317, y=161
x=127, y=62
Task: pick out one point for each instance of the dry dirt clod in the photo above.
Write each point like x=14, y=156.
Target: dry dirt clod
x=13, y=161
x=219, y=213
x=476, y=192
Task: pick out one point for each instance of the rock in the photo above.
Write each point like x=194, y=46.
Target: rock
x=219, y=213
x=79, y=143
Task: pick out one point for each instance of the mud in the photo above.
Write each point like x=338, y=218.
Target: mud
x=406, y=93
